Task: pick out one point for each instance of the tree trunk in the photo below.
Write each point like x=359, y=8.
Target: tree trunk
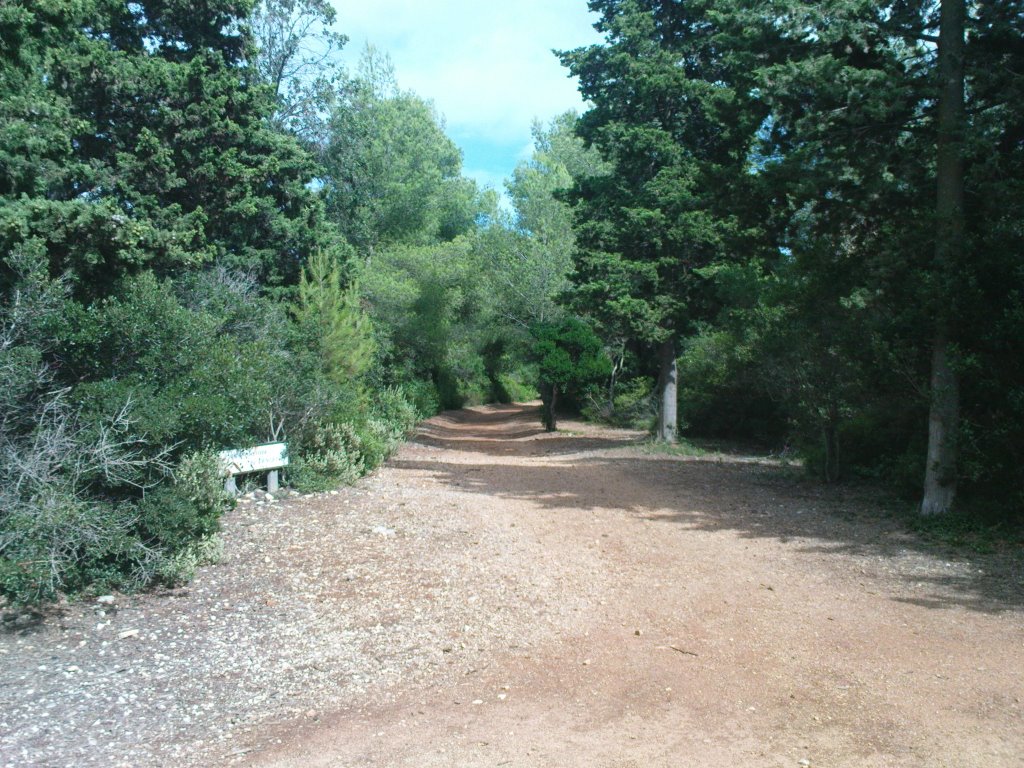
x=943, y=423
x=830, y=433
x=618, y=362
x=553, y=417
x=667, y=386
x=944, y=415
x=549, y=399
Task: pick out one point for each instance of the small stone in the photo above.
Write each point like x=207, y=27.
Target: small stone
x=638, y=632
x=805, y=763
x=127, y=633
x=105, y=599
x=269, y=497
x=478, y=701
x=384, y=531
x=311, y=713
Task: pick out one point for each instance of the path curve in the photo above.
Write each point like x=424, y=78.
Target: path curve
x=645, y=609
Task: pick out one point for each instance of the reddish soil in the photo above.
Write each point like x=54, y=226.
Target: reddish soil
x=649, y=609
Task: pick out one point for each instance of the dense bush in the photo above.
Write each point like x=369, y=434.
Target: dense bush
x=334, y=452
x=634, y=404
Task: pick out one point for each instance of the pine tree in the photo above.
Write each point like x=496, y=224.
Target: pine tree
x=676, y=118
x=331, y=320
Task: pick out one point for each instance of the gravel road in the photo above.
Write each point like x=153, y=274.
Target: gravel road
x=499, y=596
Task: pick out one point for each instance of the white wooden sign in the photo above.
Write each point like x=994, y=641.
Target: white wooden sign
x=261, y=458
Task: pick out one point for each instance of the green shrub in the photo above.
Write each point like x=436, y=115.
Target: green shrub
x=393, y=407
x=516, y=387
x=325, y=456
x=55, y=542
x=634, y=406
x=423, y=396
x=377, y=441
x=188, y=508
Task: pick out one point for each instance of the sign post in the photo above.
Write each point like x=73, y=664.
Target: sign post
x=261, y=458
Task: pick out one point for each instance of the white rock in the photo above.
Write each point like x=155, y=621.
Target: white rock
x=384, y=531
x=105, y=599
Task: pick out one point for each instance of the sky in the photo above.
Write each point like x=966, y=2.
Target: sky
x=486, y=65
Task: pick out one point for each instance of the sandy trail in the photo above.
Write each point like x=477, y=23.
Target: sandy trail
x=683, y=611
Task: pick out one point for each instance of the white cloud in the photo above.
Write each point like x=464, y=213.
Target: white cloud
x=487, y=66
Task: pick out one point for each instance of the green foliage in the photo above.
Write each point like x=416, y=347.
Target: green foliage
x=326, y=455
x=392, y=176
x=298, y=59
x=531, y=260
x=634, y=404
x=188, y=508
x=771, y=205
x=180, y=566
x=189, y=382
x=337, y=452
x=331, y=320
x=170, y=286
x=569, y=356
x=675, y=115
x=981, y=528
x=140, y=141
x=433, y=317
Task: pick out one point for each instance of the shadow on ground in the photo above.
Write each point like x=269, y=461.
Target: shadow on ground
x=715, y=494
x=504, y=430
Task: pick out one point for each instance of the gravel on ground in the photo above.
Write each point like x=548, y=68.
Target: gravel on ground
x=501, y=596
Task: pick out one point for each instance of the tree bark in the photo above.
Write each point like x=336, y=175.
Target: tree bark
x=667, y=388
x=549, y=400
x=944, y=415
x=943, y=423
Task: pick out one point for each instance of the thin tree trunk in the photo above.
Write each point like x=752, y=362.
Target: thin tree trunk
x=549, y=399
x=944, y=416
x=943, y=423
x=618, y=361
x=667, y=386
x=552, y=421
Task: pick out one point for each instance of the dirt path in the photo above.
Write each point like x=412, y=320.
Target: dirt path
x=498, y=596
x=691, y=612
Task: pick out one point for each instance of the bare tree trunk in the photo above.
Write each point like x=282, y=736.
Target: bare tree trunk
x=943, y=423
x=549, y=400
x=667, y=386
x=944, y=416
x=553, y=423
x=618, y=363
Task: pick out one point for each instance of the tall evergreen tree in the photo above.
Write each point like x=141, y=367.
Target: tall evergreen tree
x=156, y=150
x=676, y=119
